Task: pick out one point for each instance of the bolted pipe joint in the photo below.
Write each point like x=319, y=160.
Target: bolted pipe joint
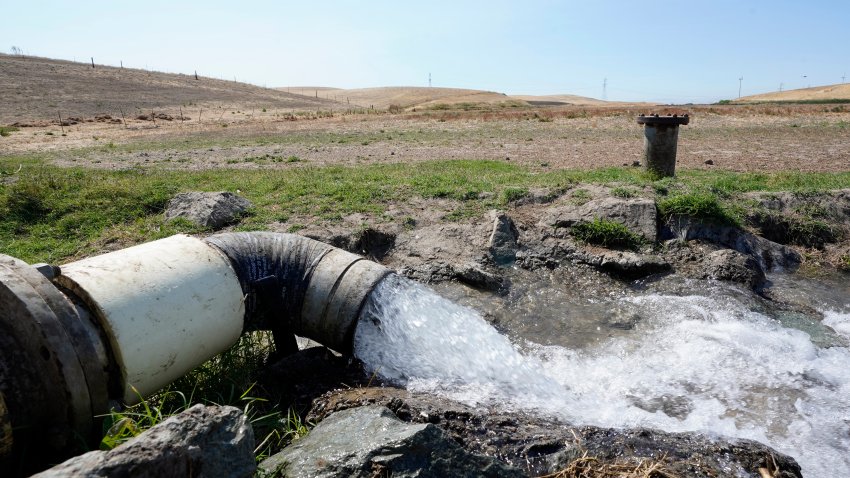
x=661, y=134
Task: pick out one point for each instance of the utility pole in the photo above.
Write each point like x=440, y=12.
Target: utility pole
x=780, y=87
x=429, y=80
x=740, y=81
x=605, y=89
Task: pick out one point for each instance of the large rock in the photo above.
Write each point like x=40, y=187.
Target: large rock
x=469, y=273
x=639, y=215
x=371, y=441
x=730, y=265
x=769, y=255
x=628, y=265
x=203, y=441
x=829, y=205
x=503, y=240
x=212, y=210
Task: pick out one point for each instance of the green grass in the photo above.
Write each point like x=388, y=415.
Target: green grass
x=511, y=194
x=624, y=193
x=51, y=214
x=701, y=205
x=227, y=379
x=605, y=233
x=7, y=130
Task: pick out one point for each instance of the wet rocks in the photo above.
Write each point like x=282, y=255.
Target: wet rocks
x=733, y=266
x=469, y=273
x=372, y=441
x=639, y=215
x=213, y=210
x=540, y=446
x=503, y=240
x=202, y=441
x=629, y=265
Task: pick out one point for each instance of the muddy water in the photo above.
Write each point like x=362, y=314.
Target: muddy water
x=674, y=354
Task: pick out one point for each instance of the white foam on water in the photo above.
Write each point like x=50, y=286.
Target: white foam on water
x=696, y=364
x=410, y=335
x=840, y=322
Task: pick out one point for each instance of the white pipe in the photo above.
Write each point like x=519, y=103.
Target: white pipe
x=166, y=306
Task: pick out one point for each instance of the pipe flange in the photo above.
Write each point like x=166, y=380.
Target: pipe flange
x=668, y=120
x=42, y=376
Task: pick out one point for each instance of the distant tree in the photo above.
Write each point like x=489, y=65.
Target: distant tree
x=17, y=51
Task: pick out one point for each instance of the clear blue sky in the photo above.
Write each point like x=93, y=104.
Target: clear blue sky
x=669, y=51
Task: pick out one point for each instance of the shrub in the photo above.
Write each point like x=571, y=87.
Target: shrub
x=605, y=233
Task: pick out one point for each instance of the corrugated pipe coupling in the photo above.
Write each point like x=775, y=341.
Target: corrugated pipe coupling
x=79, y=339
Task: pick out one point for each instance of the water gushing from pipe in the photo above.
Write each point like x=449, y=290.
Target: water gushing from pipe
x=698, y=363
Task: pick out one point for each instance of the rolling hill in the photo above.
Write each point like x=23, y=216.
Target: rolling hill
x=403, y=96
x=839, y=92
x=33, y=88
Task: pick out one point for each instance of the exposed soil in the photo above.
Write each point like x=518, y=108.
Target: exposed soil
x=763, y=138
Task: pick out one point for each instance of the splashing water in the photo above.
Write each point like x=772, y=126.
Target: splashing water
x=410, y=335
x=697, y=364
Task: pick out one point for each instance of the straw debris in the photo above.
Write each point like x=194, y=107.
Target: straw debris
x=587, y=466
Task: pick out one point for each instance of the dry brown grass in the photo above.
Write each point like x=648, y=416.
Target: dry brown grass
x=817, y=93
x=587, y=466
x=407, y=96
x=33, y=88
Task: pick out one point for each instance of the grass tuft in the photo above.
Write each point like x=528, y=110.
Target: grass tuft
x=605, y=233
x=511, y=194
x=7, y=130
x=702, y=206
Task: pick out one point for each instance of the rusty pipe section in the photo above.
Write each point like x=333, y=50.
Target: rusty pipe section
x=661, y=137
x=82, y=338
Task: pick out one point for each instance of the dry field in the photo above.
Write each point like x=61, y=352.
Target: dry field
x=228, y=124
x=737, y=138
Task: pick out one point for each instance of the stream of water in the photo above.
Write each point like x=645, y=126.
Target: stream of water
x=682, y=356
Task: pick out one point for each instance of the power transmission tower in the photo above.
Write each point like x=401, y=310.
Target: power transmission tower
x=605, y=89
x=843, y=77
x=429, y=80
x=780, y=86
x=740, y=81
